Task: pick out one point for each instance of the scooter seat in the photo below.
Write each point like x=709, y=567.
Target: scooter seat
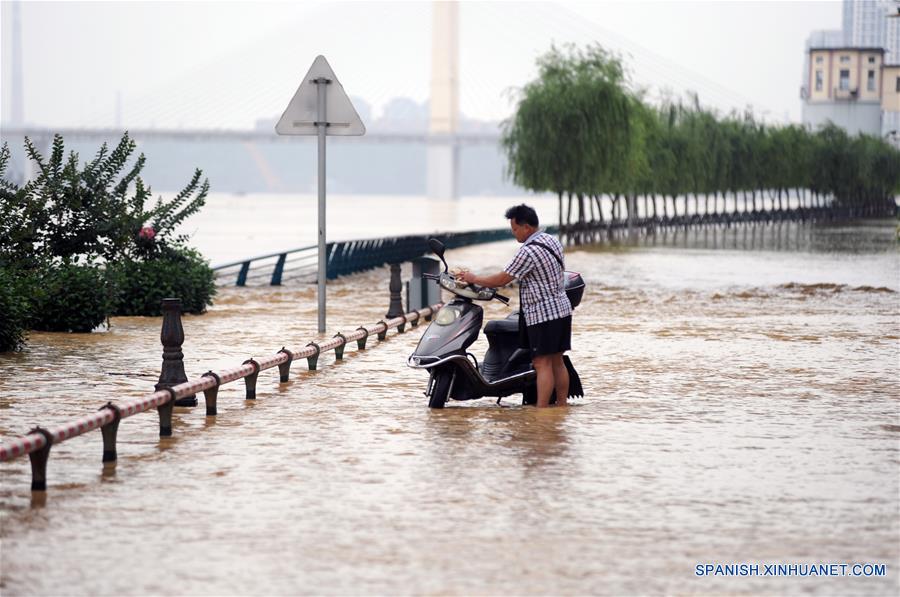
x=509, y=325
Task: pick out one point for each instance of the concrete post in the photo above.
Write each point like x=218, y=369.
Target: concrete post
x=396, y=286
x=172, y=337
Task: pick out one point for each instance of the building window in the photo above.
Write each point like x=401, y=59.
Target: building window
x=845, y=59
x=819, y=59
x=871, y=60
x=870, y=81
x=844, y=83
x=818, y=80
x=898, y=85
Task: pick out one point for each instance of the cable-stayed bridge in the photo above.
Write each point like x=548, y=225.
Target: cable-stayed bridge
x=249, y=135
x=441, y=134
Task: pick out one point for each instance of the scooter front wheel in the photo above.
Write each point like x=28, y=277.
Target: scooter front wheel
x=440, y=390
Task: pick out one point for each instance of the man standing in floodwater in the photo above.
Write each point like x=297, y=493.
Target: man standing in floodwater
x=543, y=304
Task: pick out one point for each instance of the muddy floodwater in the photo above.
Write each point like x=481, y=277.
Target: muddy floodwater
x=742, y=407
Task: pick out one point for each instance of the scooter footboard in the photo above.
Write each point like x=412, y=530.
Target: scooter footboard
x=470, y=384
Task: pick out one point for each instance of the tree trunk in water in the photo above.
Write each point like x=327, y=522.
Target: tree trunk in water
x=560, y=224
x=582, y=217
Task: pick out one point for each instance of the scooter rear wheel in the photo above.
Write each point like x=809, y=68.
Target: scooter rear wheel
x=440, y=390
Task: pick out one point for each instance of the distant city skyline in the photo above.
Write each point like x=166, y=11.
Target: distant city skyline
x=231, y=64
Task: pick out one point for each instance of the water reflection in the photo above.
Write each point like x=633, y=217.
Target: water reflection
x=811, y=237
x=541, y=440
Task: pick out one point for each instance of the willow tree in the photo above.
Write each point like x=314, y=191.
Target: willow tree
x=570, y=132
x=580, y=130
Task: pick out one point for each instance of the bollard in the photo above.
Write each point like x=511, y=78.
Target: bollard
x=39, y=461
x=165, y=414
x=172, y=337
x=339, y=350
x=383, y=334
x=361, y=343
x=314, y=359
x=396, y=307
x=211, y=395
x=402, y=327
x=250, y=380
x=109, y=432
x=284, y=369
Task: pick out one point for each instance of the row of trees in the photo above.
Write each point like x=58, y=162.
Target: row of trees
x=80, y=242
x=581, y=130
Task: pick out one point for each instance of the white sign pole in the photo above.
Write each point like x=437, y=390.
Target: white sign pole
x=321, y=125
x=308, y=113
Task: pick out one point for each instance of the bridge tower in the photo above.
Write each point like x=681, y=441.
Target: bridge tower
x=17, y=112
x=442, y=150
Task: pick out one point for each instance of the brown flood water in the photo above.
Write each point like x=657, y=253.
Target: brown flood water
x=742, y=406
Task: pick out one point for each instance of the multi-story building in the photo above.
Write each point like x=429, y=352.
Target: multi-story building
x=851, y=75
x=844, y=86
x=890, y=103
x=892, y=36
x=865, y=22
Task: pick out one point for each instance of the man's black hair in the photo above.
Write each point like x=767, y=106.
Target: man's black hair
x=522, y=214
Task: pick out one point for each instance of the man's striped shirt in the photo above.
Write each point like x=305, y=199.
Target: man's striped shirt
x=541, y=279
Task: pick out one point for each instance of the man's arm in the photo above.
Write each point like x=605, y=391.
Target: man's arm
x=493, y=281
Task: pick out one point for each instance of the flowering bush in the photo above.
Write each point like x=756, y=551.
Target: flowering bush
x=142, y=284
x=70, y=298
x=84, y=234
x=14, y=309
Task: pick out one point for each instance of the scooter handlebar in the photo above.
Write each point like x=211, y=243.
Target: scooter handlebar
x=501, y=298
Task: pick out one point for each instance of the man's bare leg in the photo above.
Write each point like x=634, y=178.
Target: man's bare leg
x=543, y=366
x=561, y=379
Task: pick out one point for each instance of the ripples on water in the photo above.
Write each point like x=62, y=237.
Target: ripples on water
x=741, y=406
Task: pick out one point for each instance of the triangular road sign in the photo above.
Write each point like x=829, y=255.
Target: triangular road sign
x=301, y=114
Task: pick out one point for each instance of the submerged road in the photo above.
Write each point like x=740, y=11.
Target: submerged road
x=741, y=407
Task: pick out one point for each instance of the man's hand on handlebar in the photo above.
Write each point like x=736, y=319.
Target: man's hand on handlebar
x=464, y=275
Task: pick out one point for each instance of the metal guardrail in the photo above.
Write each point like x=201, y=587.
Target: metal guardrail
x=38, y=441
x=346, y=257
x=353, y=256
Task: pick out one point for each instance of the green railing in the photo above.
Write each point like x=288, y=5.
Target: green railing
x=347, y=257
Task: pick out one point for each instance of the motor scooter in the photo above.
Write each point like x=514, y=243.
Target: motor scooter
x=506, y=368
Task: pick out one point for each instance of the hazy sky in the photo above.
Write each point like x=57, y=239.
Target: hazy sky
x=224, y=64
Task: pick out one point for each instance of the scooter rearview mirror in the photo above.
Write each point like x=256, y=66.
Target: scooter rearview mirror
x=437, y=247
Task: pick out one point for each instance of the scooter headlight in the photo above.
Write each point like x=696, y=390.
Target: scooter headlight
x=446, y=316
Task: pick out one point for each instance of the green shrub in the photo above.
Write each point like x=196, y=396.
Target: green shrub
x=180, y=274
x=70, y=298
x=14, y=311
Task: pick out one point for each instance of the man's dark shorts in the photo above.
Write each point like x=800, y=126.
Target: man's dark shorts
x=550, y=337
